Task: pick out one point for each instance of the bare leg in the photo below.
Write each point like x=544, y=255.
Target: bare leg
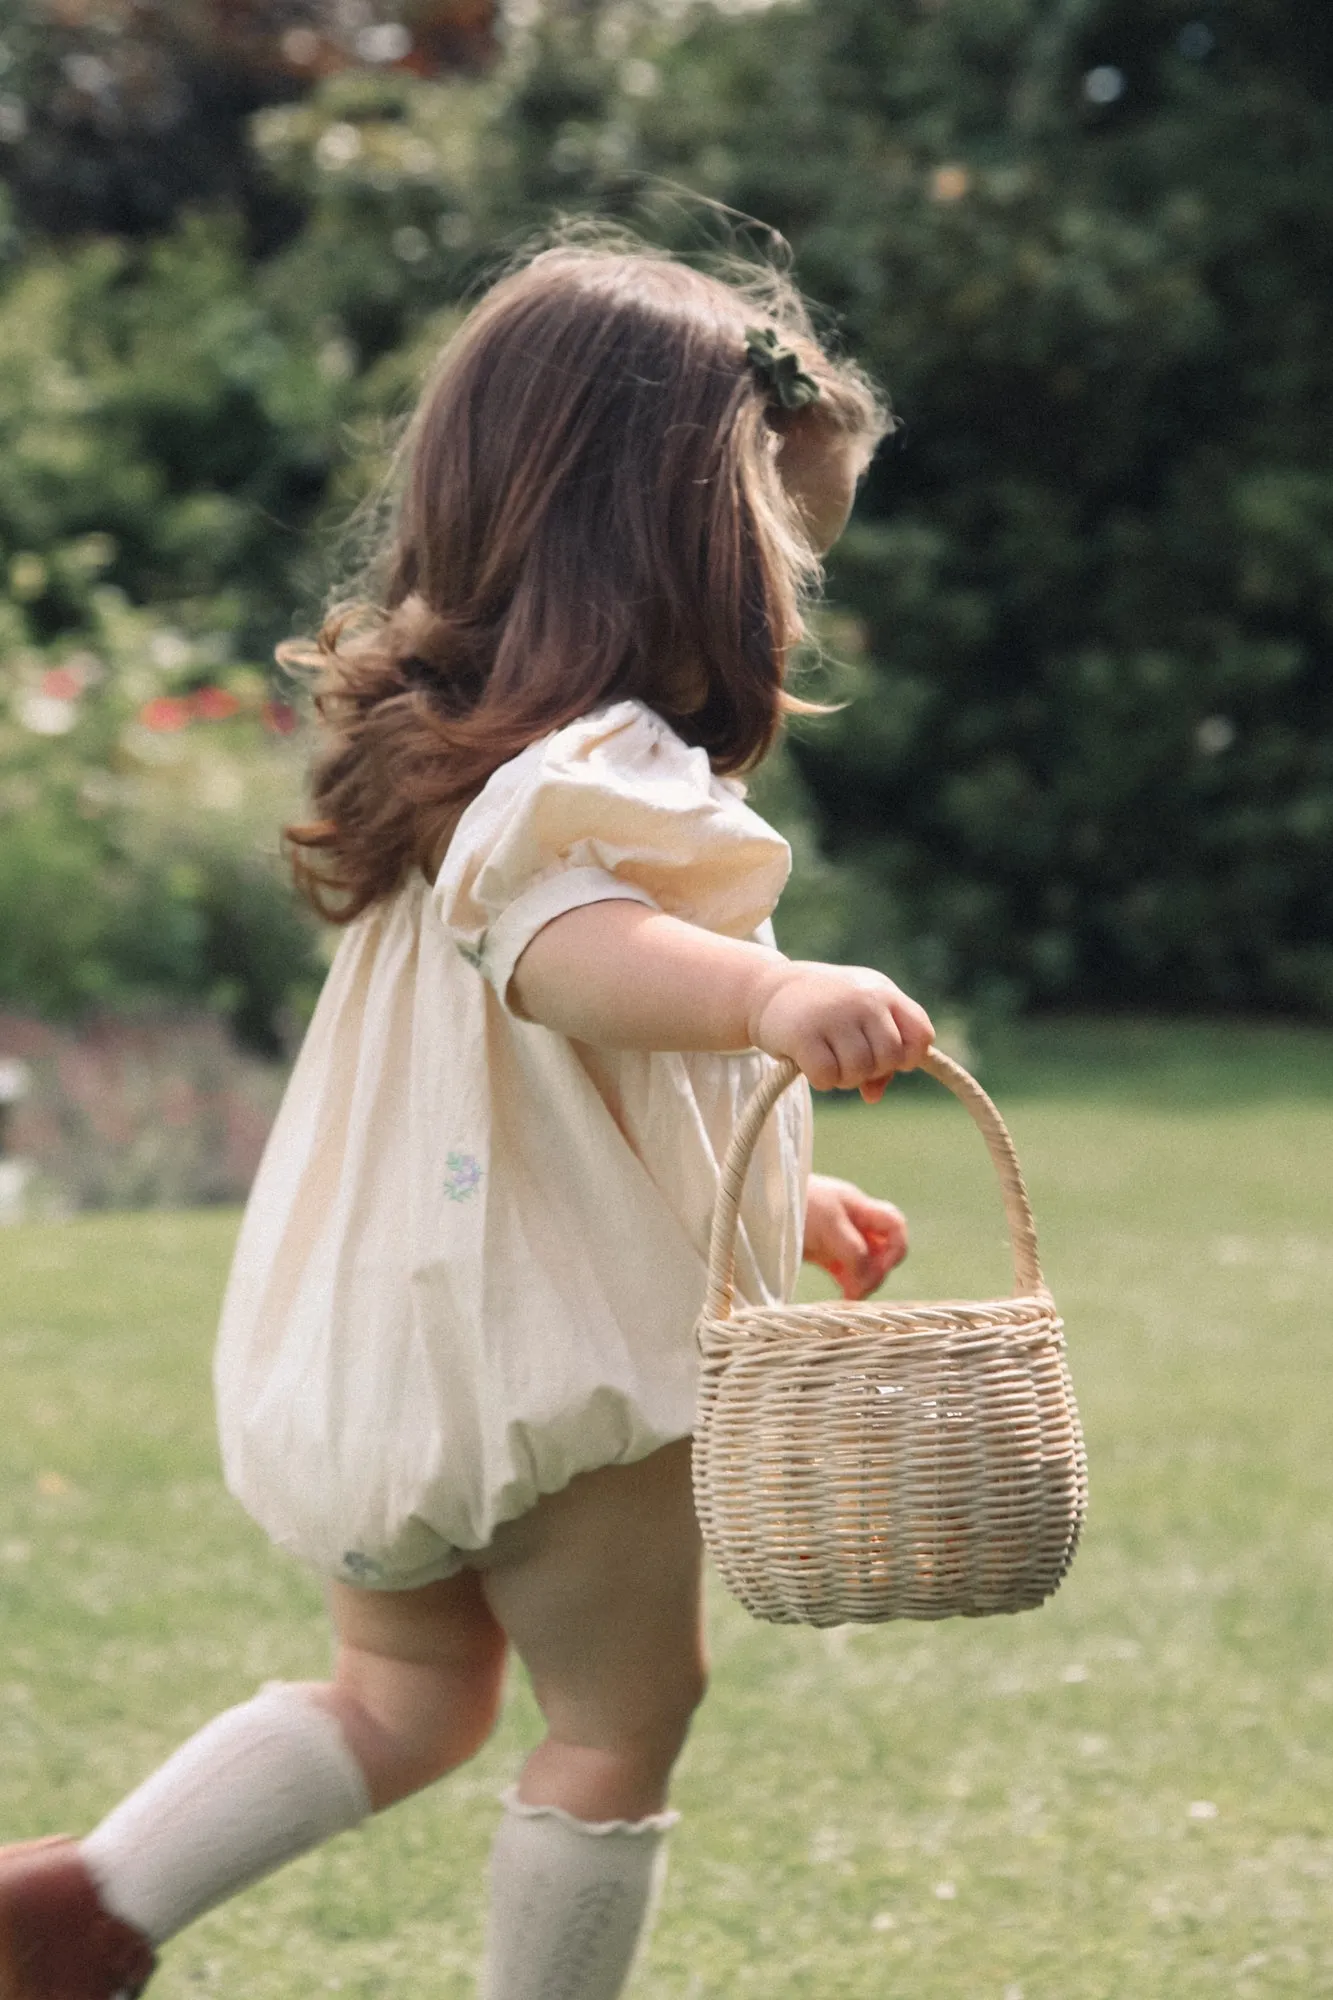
x=599, y=1589
x=415, y=1691
x=417, y=1681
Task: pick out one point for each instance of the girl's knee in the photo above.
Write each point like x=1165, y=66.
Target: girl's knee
x=674, y=1727
x=686, y=1697
x=400, y=1750
x=457, y=1724
x=409, y=1723
x=653, y=1730
x=618, y=1770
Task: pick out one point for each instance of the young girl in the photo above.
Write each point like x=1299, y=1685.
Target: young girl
x=455, y=1370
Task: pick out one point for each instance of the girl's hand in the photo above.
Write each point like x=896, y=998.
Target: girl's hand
x=847, y=1027
x=855, y=1238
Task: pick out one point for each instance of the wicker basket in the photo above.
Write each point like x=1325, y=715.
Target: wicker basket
x=874, y=1461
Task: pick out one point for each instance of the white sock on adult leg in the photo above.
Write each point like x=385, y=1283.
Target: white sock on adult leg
x=570, y=1902
x=257, y=1786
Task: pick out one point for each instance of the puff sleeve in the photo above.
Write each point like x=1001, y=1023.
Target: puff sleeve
x=613, y=807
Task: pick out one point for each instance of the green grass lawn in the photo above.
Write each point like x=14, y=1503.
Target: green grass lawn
x=1123, y=1796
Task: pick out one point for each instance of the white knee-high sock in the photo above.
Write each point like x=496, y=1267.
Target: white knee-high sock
x=570, y=1902
x=257, y=1786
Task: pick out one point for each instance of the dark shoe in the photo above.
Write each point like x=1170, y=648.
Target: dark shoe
x=57, y=1941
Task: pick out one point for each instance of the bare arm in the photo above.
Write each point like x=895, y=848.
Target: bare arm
x=621, y=975
x=625, y=976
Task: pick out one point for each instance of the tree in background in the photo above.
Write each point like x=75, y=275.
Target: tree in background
x=119, y=113
x=1088, y=757
x=173, y=410
x=1085, y=606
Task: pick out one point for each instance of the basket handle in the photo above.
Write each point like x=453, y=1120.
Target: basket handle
x=1028, y=1279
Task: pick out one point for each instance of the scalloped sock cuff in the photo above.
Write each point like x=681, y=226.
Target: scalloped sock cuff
x=257, y=1786
x=571, y=1902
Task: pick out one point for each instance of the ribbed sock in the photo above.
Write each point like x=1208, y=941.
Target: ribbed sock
x=570, y=1902
x=257, y=1786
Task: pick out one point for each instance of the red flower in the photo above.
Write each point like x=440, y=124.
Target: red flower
x=61, y=685
x=214, y=704
x=166, y=714
x=280, y=717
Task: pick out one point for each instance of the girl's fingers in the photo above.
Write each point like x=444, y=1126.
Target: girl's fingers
x=857, y=1238
x=888, y=1251
x=881, y=1256
x=872, y=1216
x=857, y=1260
x=871, y=1064
x=821, y=1065
x=887, y=1057
x=859, y=1279
x=861, y=1042
x=884, y=1229
x=851, y=1055
x=916, y=1030
x=846, y=1245
x=885, y=1049
x=868, y=1052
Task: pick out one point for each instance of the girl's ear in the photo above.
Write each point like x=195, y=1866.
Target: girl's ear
x=820, y=467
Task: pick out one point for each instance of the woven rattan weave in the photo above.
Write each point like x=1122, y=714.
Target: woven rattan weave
x=873, y=1461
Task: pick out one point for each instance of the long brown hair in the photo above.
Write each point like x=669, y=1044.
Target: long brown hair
x=587, y=508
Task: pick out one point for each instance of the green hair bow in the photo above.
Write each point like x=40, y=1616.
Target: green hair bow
x=779, y=369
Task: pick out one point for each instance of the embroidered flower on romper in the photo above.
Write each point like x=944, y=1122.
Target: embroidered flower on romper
x=364, y=1568
x=463, y=1177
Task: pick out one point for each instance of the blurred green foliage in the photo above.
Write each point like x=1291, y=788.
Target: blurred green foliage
x=1089, y=752
x=1083, y=614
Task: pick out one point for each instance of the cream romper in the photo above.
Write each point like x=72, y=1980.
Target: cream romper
x=475, y=1250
